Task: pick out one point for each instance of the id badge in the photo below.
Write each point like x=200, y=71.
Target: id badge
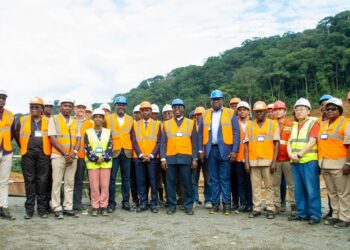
x=324, y=136
x=179, y=134
x=261, y=138
x=282, y=142
x=37, y=133
x=99, y=150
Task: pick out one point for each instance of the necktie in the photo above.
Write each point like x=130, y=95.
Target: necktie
x=146, y=124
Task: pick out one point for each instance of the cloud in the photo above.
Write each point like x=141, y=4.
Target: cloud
x=91, y=50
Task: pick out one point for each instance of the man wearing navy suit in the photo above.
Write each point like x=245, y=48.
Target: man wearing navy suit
x=219, y=133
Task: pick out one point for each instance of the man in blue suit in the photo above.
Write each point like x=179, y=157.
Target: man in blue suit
x=219, y=133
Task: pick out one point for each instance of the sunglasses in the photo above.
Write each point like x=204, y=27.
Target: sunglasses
x=3, y=97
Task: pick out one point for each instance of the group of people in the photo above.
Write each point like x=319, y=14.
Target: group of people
x=161, y=161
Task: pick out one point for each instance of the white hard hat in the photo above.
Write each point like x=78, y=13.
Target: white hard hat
x=302, y=102
x=80, y=103
x=167, y=107
x=3, y=92
x=48, y=102
x=98, y=111
x=137, y=108
x=88, y=108
x=270, y=106
x=155, y=108
x=66, y=100
x=105, y=106
x=335, y=101
x=243, y=104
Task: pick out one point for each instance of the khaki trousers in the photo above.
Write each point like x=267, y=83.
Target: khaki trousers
x=62, y=171
x=257, y=176
x=5, y=170
x=338, y=188
x=286, y=168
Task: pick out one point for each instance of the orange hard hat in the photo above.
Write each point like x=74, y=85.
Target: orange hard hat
x=199, y=110
x=37, y=100
x=235, y=100
x=145, y=105
x=259, y=105
x=279, y=105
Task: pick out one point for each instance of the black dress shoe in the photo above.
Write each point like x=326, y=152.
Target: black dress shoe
x=58, y=215
x=126, y=206
x=110, y=209
x=141, y=208
x=154, y=209
x=43, y=215
x=70, y=213
x=189, y=211
x=171, y=211
x=254, y=213
x=215, y=209
x=28, y=216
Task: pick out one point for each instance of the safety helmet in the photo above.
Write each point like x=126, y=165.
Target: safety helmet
x=155, y=108
x=302, y=102
x=259, y=105
x=3, y=92
x=136, y=108
x=335, y=101
x=88, y=108
x=279, y=105
x=177, y=102
x=120, y=100
x=49, y=102
x=105, y=106
x=199, y=110
x=235, y=100
x=98, y=111
x=216, y=94
x=167, y=107
x=243, y=104
x=37, y=100
x=63, y=100
x=324, y=98
x=145, y=105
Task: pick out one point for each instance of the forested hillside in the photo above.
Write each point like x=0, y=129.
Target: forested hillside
x=287, y=67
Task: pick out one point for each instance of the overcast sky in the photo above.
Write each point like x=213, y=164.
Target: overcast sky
x=90, y=50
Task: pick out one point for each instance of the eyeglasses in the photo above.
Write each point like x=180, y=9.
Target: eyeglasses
x=331, y=109
x=3, y=97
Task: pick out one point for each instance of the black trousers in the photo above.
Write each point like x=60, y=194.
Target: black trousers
x=36, y=171
x=78, y=183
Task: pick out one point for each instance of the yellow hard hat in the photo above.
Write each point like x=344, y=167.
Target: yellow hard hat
x=235, y=100
x=259, y=105
x=145, y=105
x=37, y=100
x=199, y=110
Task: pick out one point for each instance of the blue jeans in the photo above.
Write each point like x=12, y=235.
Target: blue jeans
x=186, y=178
x=144, y=169
x=307, y=190
x=124, y=163
x=220, y=177
x=244, y=184
x=195, y=179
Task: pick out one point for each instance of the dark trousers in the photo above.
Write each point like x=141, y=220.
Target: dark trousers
x=124, y=163
x=244, y=184
x=36, y=172
x=147, y=171
x=220, y=177
x=78, y=183
x=234, y=188
x=133, y=184
x=173, y=171
x=195, y=178
x=283, y=189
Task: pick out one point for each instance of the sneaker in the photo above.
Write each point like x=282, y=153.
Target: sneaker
x=242, y=208
x=154, y=209
x=327, y=216
x=342, y=224
x=314, y=221
x=226, y=209
x=189, y=211
x=6, y=214
x=270, y=214
x=215, y=209
x=70, y=213
x=195, y=204
x=126, y=206
x=171, y=211
x=28, y=216
x=58, y=215
x=254, y=213
x=208, y=205
x=104, y=212
x=111, y=208
x=43, y=215
x=141, y=208
x=94, y=212
x=331, y=221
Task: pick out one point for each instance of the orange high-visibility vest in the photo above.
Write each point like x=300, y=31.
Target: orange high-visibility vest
x=261, y=145
x=120, y=135
x=240, y=155
x=66, y=135
x=5, y=129
x=146, y=138
x=226, y=125
x=179, y=138
x=25, y=131
x=331, y=138
x=285, y=131
x=85, y=126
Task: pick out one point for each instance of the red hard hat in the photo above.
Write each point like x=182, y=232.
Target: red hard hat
x=279, y=105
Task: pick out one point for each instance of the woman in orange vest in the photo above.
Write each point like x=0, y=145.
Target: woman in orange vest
x=32, y=138
x=334, y=160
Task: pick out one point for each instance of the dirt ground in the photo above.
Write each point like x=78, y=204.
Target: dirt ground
x=131, y=230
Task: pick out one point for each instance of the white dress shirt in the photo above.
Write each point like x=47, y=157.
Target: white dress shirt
x=215, y=123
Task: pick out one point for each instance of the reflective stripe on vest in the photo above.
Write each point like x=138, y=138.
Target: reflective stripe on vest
x=86, y=125
x=146, y=139
x=120, y=135
x=66, y=136
x=25, y=131
x=95, y=143
x=225, y=122
x=179, y=138
x=299, y=139
x=5, y=128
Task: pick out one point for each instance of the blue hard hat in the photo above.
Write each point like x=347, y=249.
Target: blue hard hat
x=324, y=98
x=216, y=94
x=177, y=102
x=120, y=100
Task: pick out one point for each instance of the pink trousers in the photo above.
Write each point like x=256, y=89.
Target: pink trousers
x=99, y=187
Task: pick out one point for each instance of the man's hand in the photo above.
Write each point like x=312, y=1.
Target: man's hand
x=273, y=167
x=201, y=156
x=232, y=156
x=164, y=165
x=247, y=167
x=346, y=169
x=294, y=158
x=194, y=164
